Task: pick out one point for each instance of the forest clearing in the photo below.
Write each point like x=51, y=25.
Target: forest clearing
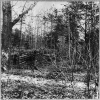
x=50, y=52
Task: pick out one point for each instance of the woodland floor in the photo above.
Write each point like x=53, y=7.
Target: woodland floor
x=24, y=84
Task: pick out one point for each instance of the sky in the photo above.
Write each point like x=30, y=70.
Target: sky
x=42, y=7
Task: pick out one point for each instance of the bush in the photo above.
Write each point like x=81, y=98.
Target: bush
x=56, y=74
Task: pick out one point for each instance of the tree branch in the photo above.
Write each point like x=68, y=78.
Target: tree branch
x=21, y=15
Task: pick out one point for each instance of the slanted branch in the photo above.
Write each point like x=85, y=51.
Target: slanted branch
x=21, y=15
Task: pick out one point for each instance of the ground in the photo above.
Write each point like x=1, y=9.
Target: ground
x=24, y=84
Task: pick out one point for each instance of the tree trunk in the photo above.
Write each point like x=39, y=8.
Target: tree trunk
x=6, y=28
x=8, y=23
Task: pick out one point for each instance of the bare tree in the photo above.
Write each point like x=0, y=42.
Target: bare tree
x=8, y=23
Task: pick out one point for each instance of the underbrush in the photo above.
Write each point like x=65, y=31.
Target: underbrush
x=18, y=89
x=23, y=90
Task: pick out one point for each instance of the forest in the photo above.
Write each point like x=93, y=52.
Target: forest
x=51, y=55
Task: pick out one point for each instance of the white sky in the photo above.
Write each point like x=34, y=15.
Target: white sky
x=40, y=8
